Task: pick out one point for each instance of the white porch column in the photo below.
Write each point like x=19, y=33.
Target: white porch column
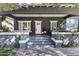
x=20, y=25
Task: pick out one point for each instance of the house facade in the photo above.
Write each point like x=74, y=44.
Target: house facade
x=40, y=20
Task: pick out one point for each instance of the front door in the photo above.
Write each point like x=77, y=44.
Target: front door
x=37, y=27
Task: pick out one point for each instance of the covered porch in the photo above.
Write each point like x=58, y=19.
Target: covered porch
x=51, y=23
x=39, y=23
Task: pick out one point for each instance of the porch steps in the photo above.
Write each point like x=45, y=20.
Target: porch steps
x=40, y=41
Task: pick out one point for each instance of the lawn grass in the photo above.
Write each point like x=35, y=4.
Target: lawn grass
x=6, y=52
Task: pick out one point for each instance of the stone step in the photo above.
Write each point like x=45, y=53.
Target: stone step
x=41, y=42
x=39, y=46
x=40, y=39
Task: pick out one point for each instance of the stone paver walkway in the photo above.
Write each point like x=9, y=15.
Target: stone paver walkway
x=48, y=52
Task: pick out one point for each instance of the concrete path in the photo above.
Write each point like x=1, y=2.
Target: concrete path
x=48, y=52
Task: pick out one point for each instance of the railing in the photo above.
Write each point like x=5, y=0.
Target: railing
x=14, y=33
x=69, y=33
x=9, y=38
x=68, y=38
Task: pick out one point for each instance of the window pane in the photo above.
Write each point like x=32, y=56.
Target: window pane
x=54, y=26
x=71, y=24
x=24, y=25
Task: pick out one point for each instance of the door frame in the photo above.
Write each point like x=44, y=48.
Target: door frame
x=40, y=27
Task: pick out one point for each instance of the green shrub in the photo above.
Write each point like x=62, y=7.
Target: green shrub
x=17, y=43
x=5, y=52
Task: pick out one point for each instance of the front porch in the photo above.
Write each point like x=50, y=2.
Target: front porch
x=39, y=23
x=45, y=28
x=47, y=25
x=38, y=26
x=68, y=39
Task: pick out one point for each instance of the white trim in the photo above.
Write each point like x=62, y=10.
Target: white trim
x=65, y=33
x=21, y=25
x=25, y=21
x=38, y=28
x=14, y=33
x=38, y=21
x=51, y=23
x=39, y=15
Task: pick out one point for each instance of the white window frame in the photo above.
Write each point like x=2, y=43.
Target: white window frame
x=52, y=21
x=20, y=24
